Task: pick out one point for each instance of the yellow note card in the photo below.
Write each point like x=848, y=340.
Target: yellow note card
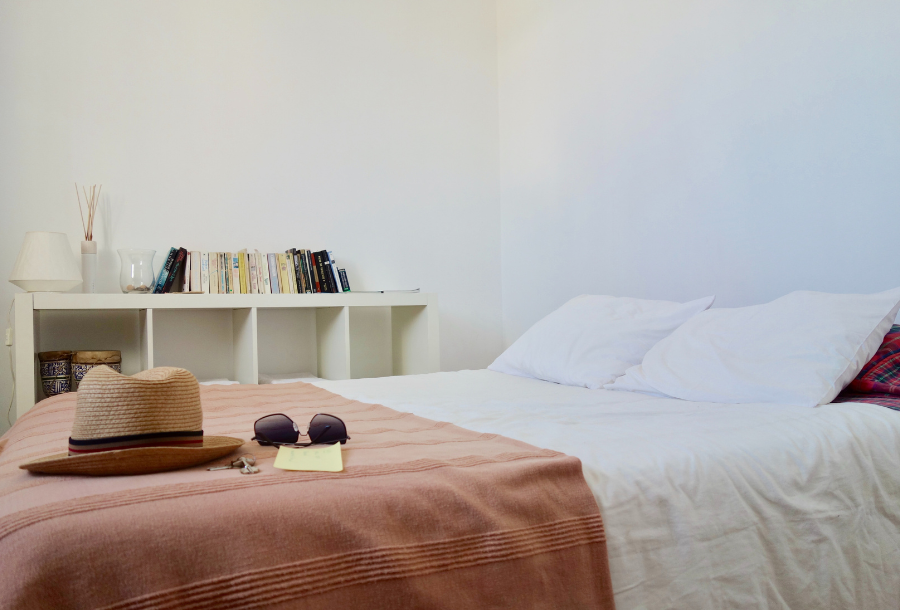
x=317, y=459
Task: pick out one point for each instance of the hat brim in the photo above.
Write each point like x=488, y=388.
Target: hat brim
x=142, y=460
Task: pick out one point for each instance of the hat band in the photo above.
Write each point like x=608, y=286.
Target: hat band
x=188, y=438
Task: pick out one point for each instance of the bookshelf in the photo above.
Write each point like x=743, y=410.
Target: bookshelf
x=233, y=336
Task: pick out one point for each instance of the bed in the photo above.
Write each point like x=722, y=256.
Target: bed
x=705, y=505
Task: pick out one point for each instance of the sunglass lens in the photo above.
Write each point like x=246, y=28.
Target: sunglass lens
x=276, y=428
x=327, y=429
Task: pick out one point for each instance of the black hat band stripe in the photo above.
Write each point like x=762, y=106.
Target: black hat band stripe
x=187, y=438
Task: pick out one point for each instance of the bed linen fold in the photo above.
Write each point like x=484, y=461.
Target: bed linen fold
x=426, y=514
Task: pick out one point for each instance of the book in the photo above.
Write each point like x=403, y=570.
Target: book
x=243, y=271
x=273, y=273
x=332, y=286
x=176, y=265
x=282, y=274
x=223, y=274
x=176, y=281
x=164, y=271
x=264, y=273
x=305, y=271
x=297, y=272
x=246, y=260
x=196, y=271
x=229, y=275
x=225, y=271
x=213, y=272
x=334, y=272
x=186, y=285
x=246, y=256
x=254, y=274
x=292, y=279
x=204, y=270
x=315, y=272
x=295, y=261
x=345, y=283
x=283, y=278
x=324, y=270
x=261, y=265
x=235, y=273
x=292, y=274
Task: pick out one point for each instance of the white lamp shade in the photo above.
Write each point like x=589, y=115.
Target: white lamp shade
x=45, y=263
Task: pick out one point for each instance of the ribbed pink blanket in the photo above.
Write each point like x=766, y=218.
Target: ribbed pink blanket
x=425, y=515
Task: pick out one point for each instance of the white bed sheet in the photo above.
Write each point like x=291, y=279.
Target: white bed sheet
x=706, y=506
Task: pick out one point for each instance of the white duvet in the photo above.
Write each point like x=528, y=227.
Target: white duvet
x=706, y=506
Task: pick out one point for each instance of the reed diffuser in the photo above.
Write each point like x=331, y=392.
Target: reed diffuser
x=88, y=246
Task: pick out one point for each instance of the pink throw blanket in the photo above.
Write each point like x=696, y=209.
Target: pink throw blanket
x=424, y=515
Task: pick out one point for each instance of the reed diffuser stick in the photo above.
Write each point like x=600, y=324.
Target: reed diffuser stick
x=91, y=202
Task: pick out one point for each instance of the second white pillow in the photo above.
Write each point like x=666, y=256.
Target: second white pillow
x=801, y=349
x=593, y=339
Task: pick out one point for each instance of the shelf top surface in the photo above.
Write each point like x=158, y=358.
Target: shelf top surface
x=62, y=300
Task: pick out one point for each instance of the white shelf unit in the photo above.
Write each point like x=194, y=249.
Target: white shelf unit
x=334, y=336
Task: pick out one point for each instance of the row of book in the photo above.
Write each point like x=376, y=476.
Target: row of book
x=289, y=272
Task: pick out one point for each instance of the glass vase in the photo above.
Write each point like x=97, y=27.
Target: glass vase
x=137, y=275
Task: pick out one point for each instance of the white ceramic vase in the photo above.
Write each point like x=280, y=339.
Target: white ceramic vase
x=88, y=266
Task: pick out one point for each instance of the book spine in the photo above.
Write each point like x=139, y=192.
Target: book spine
x=242, y=271
x=242, y=266
x=235, y=273
x=303, y=270
x=328, y=268
x=292, y=276
x=254, y=273
x=334, y=273
x=223, y=287
x=324, y=270
x=213, y=272
x=176, y=265
x=298, y=269
x=164, y=271
x=246, y=257
x=315, y=272
x=289, y=268
x=196, y=271
x=186, y=286
x=225, y=273
x=282, y=287
x=282, y=274
x=298, y=274
x=345, y=283
x=229, y=273
x=263, y=262
x=204, y=272
x=273, y=273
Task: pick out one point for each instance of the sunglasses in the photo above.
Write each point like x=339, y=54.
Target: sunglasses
x=280, y=430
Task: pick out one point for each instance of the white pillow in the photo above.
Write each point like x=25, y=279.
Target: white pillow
x=592, y=339
x=802, y=349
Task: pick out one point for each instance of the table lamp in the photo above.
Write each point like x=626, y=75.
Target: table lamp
x=45, y=263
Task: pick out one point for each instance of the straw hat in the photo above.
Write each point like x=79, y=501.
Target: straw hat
x=145, y=423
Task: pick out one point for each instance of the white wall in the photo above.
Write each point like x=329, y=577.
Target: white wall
x=671, y=150
x=366, y=127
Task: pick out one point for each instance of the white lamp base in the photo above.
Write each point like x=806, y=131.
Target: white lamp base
x=46, y=285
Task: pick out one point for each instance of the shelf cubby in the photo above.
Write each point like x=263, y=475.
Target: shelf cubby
x=333, y=336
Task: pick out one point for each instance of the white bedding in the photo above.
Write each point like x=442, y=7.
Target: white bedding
x=706, y=506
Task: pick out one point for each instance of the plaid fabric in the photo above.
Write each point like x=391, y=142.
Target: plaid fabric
x=891, y=401
x=882, y=373
x=879, y=381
